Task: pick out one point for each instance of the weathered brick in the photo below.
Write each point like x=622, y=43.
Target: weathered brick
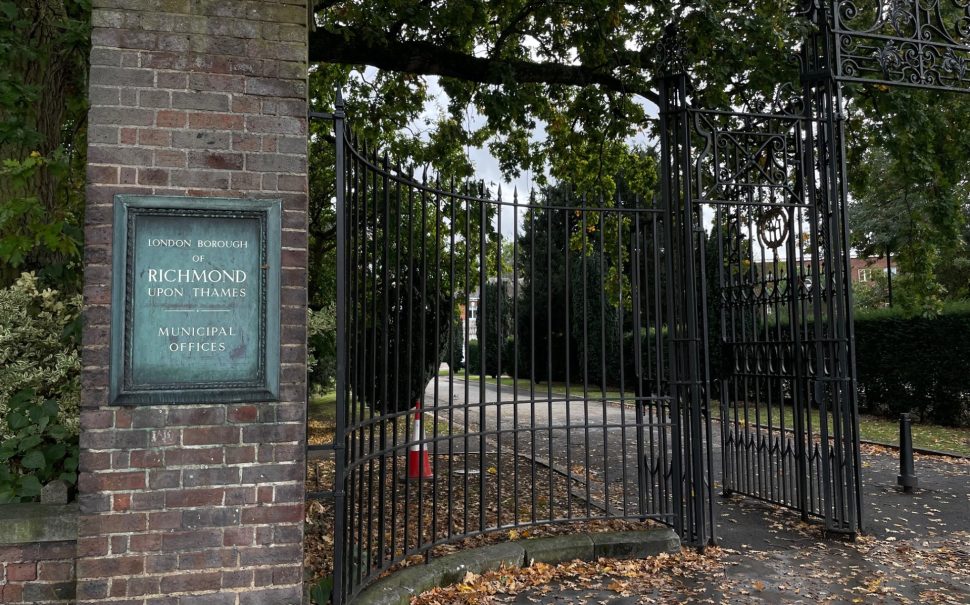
x=272, y=514
x=212, y=558
x=226, y=475
x=168, y=519
x=219, y=160
x=154, y=98
x=148, y=501
x=276, y=124
x=55, y=571
x=211, y=435
x=209, y=101
x=240, y=455
x=194, y=456
x=185, y=540
x=142, y=586
x=272, y=433
x=201, y=139
x=164, y=479
x=106, y=567
x=21, y=572
x=112, y=481
x=196, y=416
x=189, y=582
x=194, y=497
x=154, y=137
x=122, y=76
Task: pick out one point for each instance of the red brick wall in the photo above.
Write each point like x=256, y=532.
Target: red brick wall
x=194, y=504
x=37, y=572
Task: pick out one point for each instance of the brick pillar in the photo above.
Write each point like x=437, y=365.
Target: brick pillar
x=198, y=504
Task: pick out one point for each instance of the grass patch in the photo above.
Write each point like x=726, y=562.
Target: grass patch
x=871, y=428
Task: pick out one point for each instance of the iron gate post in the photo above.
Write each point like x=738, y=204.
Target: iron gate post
x=692, y=490
x=835, y=386
x=338, y=586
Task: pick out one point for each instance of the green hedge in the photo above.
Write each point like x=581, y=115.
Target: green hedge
x=915, y=364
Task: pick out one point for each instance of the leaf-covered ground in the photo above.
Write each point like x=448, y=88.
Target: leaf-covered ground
x=916, y=550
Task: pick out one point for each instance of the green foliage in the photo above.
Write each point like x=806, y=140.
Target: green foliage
x=44, y=45
x=39, y=450
x=915, y=364
x=455, y=349
x=39, y=338
x=474, y=357
x=320, y=591
x=494, y=325
x=869, y=296
x=322, y=348
x=909, y=155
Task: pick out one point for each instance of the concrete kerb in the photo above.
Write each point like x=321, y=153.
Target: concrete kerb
x=400, y=587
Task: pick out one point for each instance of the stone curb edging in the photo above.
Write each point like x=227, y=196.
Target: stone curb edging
x=400, y=587
x=918, y=450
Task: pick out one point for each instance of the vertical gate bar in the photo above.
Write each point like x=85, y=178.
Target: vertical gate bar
x=515, y=357
x=499, y=343
x=483, y=346
x=549, y=375
x=635, y=294
x=466, y=411
x=533, y=370
x=452, y=227
x=603, y=216
x=375, y=388
x=619, y=322
x=383, y=372
x=396, y=382
x=342, y=306
x=423, y=364
x=704, y=359
x=409, y=323
x=438, y=307
x=795, y=310
x=658, y=407
x=584, y=223
x=567, y=305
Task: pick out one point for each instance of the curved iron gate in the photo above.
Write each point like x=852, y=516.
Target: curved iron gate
x=579, y=405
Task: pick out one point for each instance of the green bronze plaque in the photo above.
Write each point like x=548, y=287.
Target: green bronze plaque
x=195, y=300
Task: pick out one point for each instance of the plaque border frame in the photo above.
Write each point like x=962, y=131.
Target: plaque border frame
x=266, y=386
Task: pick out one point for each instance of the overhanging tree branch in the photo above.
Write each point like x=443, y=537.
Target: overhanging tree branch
x=350, y=47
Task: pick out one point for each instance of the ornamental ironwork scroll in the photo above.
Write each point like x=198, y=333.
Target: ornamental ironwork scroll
x=920, y=43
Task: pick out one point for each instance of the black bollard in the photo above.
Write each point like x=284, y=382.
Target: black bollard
x=907, y=473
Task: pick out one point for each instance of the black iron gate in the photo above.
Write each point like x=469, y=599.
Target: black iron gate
x=567, y=395
x=763, y=199
x=595, y=348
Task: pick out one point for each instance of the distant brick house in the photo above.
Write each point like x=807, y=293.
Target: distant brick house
x=864, y=270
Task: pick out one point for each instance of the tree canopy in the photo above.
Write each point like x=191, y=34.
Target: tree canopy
x=583, y=72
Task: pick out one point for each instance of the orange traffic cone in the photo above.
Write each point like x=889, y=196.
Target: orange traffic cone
x=419, y=463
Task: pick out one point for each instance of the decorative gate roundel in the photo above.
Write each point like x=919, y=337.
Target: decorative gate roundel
x=773, y=228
